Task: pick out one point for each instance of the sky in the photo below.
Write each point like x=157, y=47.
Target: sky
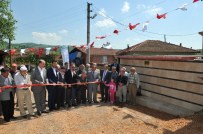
x=64, y=22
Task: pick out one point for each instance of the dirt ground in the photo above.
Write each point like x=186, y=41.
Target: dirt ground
x=104, y=118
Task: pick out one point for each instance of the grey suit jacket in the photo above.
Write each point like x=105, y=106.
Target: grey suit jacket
x=91, y=77
x=37, y=79
x=5, y=95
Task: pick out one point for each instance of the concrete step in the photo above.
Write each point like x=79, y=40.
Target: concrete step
x=163, y=106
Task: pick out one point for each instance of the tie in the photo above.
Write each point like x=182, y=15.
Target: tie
x=104, y=74
x=93, y=73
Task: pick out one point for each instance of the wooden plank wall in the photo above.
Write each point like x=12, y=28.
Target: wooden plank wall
x=175, y=82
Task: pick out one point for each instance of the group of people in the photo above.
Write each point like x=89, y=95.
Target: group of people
x=65, y=86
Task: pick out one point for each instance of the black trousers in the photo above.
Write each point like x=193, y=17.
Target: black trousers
x=104, y=92
x=51, y=97
x=83, y=93
x=60, y=94
x=71, y=95
x=78, y=95
x=8, y=108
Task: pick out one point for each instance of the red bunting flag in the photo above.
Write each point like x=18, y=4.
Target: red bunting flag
x=131, y=27
x=83, y=46
x=115, y=31
x=92, y=44
x=195, y=1
x=162, y=16
x=40, y=51
x=32, y=50
x=55, y=48
x=100, y=37
x=12, y=51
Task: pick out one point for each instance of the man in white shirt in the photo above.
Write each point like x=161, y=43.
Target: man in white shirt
x=23, y=93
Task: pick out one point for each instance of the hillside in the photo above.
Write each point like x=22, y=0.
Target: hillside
x=30, y=45
x=24, y=45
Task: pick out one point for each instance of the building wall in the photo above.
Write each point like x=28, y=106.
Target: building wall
x=98, y=59
x=175, y=82
x=161, y=53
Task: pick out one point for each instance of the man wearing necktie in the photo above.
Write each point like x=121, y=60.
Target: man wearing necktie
x=71, y=77
x=115, y=64
x=105, y=77
x=53, y=79
x=93, y=76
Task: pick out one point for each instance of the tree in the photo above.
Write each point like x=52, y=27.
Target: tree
x=7, y=22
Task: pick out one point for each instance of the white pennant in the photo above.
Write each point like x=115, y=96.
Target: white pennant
x=144, y=27
x=107, y=45
x=183, y=7
x=22, y=51
x=48, y=51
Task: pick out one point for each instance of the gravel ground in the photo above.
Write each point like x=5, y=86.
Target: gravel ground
x=104, y=118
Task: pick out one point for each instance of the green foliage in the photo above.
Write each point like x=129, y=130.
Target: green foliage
x=7, y=22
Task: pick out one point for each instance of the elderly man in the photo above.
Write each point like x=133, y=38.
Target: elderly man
x=38, y=76
x=87, y=68
x=133, y=85
x=122, y=88
x=14, y=71
x=93, y=76
x=23, y=93
x=114, y=73
x=6, y=95
x=115, y=64
x=105, y=75
x=60, y=89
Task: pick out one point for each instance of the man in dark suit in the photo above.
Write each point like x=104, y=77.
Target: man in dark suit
x=53, y=79
x=60, y=89
x=70, y=78
x=115, y=64
x=105, y=75
x=38, y=76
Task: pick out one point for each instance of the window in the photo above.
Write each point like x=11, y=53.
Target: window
x=104, y=59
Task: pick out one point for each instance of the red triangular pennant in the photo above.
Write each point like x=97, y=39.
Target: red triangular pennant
x=100, y=37
x=162, y=16
x=131, y=27
x=195, y=1
x=115, y=31
x=40, y=51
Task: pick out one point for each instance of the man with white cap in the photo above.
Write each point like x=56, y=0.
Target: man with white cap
x=23, y=93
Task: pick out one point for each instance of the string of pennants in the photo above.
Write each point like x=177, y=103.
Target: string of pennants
x=134, y=26
x=107, y=45
x=38, y=51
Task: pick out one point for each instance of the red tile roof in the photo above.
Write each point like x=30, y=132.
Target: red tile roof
x=98, y=51
x=156, y=46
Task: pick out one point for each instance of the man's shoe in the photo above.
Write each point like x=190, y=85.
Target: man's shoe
x=6, y=120
x=69, y=105
x=75, y=104
x=39, y=113
x=45, y=111
x=96, y=102
x=33, y=115
x=25, y=116
x=14, y=118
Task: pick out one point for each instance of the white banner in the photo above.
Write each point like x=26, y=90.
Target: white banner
x=48, y=51
x=65, y=54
